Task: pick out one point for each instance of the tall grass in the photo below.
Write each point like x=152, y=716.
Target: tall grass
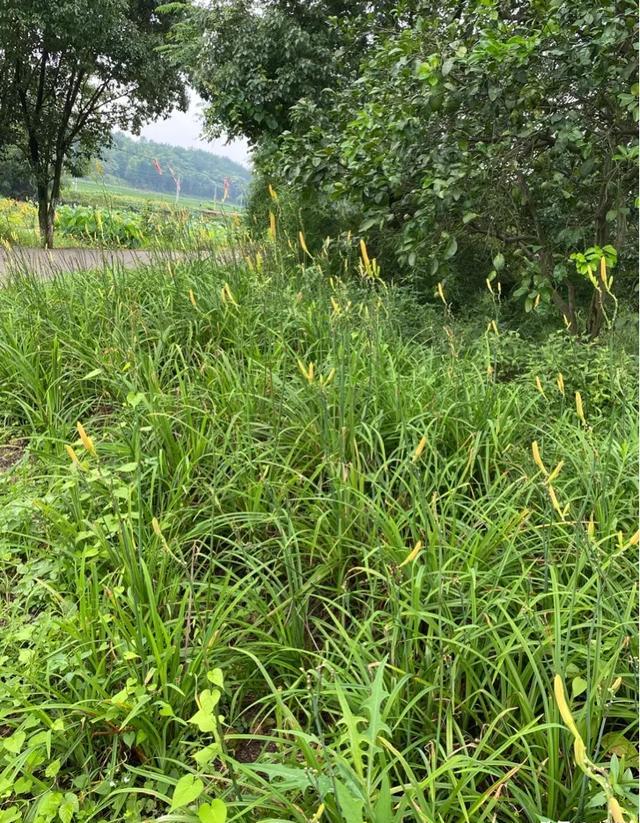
x=291, y=505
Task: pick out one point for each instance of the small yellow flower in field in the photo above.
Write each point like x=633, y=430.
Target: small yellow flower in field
x=192, y=298
x=539, y=386
x=307, y=371
x=72, y=455
x=440, y=292
x=556, y=472
x=580, y=407
x=560, y=382
x=227, y=295
x=87, y=442
x=555, y=503
x=303, y=243
x=365, y=254
x=633, y=541
x=419, y=449
x=415, y=551
x=272, y=225
x=535, y=451
x=156, y=527
x=272, y=193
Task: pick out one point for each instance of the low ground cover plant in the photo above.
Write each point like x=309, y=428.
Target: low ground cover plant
x=281, y=546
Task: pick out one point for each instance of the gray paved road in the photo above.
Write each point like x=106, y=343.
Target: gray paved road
x=47, y=262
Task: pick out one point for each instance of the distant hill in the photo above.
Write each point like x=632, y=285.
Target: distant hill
x=138, y=163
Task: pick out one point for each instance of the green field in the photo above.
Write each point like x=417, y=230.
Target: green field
x=276, y=546
x=92, y=192
x=118, y=223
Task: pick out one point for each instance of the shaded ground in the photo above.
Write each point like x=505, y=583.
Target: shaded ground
x=47, y=262
x=11, y=453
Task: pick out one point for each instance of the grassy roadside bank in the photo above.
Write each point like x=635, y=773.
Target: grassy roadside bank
x=303, y=561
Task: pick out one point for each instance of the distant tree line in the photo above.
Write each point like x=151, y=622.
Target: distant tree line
x=146, y=164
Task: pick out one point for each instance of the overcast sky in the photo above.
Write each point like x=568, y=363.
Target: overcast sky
x=184, y=129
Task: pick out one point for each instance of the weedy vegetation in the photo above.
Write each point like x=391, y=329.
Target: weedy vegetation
x=280, y=545
x=137, y=225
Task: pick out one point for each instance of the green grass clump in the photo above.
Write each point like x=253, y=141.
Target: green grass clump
x=297, y=564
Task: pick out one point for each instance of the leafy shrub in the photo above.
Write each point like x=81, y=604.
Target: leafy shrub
x=592, y=368
x=117, y=228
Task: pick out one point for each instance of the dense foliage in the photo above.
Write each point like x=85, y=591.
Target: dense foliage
x=70, y=71
x=16, y=179
x=307, y=557
x=470, y=140
x=201, y=173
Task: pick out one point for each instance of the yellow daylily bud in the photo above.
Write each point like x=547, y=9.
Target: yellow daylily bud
x=365, y=254
x=535, y=451
x=303, y=243
x=563, y=706
x=72, y=455
x=87, y=442
x=415, y=551
x=556, y=471
x=615, y=810
x=555, y=503
x=419, y=449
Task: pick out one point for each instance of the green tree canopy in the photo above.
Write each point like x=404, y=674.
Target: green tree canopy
x=464, y=139
x=71, y=71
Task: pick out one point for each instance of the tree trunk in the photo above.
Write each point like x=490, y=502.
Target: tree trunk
x=46, y=214
x=567, y=310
